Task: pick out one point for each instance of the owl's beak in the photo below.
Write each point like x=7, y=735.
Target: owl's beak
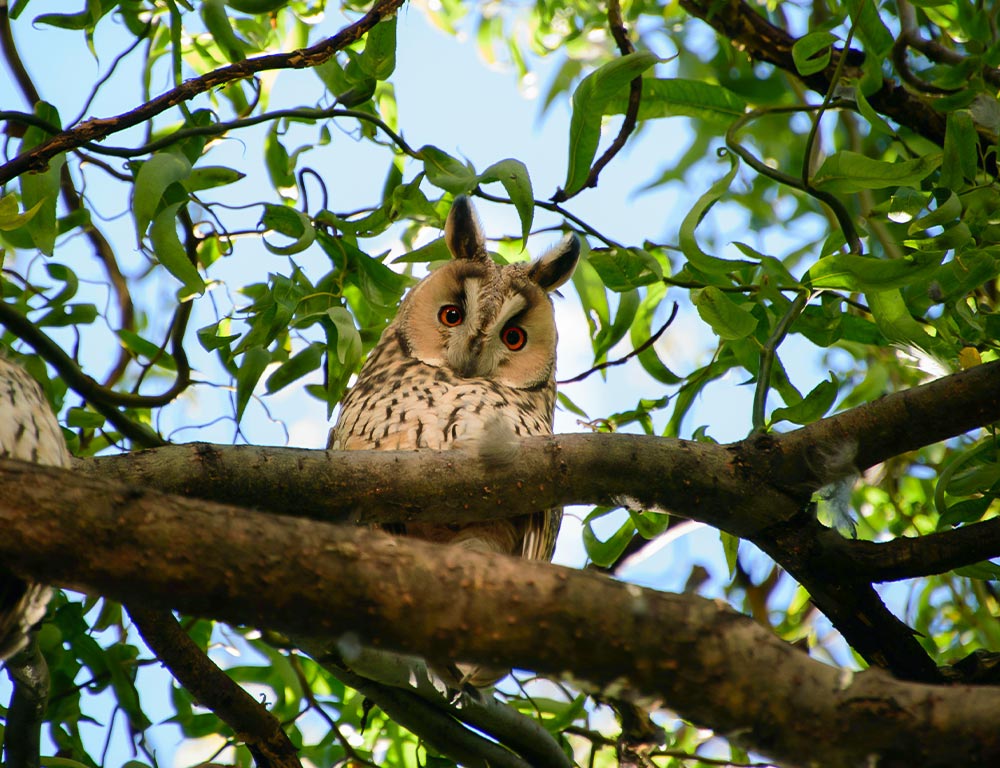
x=471, y=364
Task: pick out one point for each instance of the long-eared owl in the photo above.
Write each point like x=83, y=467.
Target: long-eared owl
x=29, y=432
x=470, y=354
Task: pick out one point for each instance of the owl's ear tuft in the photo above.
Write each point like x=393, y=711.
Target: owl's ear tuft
x=555, y=266
x=463, y=233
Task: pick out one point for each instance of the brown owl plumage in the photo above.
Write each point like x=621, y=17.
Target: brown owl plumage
x=29, y=432
x=470, y=355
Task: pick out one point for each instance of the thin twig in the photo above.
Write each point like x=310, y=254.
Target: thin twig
x=769, y=352
x=620, y=34
x=98, y=128
x=622, y=360
x=843, y=217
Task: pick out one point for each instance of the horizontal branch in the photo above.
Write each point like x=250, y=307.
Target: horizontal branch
x=757, y=489
x=871, y=433
x=305, y=577
x=743, y=488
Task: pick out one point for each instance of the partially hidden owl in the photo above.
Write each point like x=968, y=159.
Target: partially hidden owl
x=29, y=432
x=470, y=355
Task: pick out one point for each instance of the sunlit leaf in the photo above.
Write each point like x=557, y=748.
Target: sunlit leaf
x=728, y=319
x=591, y=101
x=813, y=406
x=513, y=174
x=171, y=253
x=153, y=179
x=846, y=171
x=680, y=97
x=811, y=53
x=446, y=172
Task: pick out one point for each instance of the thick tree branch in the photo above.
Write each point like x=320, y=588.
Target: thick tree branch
x=912, y=557
x=757, y=489
x=213, y=688
x=305, y=577
x=99, y=128
x=743, y=488
x=874, y=432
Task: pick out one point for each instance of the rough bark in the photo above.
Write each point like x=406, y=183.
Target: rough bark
x=697, y=656
x=743, y=488
x=757, y=489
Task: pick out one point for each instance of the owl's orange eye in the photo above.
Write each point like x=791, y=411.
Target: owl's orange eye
x=450, y=315
x=514, y=337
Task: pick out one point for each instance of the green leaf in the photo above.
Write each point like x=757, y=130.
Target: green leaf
x=731, y=548
x=641, y=332
x=216, y=20
x=280, y=165
x=255, y=7
x=623, y=269
x=255, y=360
x=155, y=175
x=211, y=176
x=811, y=53
x=66, y=315
x=10, y=215
x=968, y=511
x=291, y=223
x=446, y=172
x=984, y=571
x=211, y=337
x=570, y=406
x=40, y=189
x=869, y=27
x=947, y=212
x=875, y=120
x=348, y=338
x=379, y=57
x=85, y=19
x=649, y=524
x=65, y=275
x=863, y=273
x=591, y=101
x=711, y=265
x=81, y=418
x=894, y=320
x=172, y=254
x=606, y=338
x=435, y=250
x=961, y=142
x=298, y=365
x=728, y=319
x=677, y=97
x=141, y=347
x=605, y=553
x=846, y=172
x=513, y=174
x=813, y=406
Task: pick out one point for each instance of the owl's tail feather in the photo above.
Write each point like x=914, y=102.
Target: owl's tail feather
x=22, y=606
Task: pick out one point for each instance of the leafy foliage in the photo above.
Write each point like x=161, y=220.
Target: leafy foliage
x=874, y=237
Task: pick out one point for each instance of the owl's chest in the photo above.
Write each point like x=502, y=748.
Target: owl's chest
x=419, y=406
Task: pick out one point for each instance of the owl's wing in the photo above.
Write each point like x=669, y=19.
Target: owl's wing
x=29, y=432
x=540, y=534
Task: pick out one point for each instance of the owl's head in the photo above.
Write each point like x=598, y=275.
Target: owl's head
x=482, y=319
